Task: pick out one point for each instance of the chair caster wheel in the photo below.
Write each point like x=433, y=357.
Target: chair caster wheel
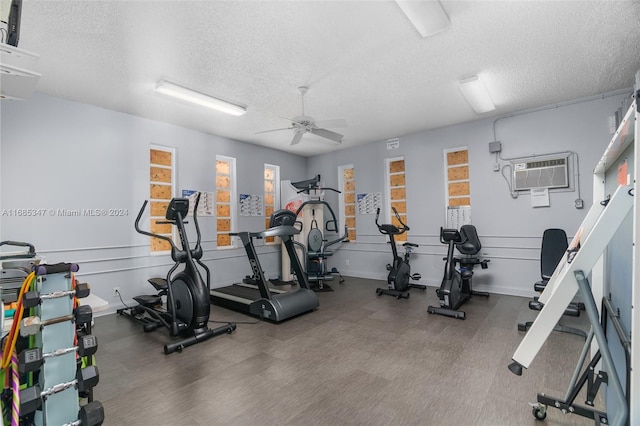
x=540, y=413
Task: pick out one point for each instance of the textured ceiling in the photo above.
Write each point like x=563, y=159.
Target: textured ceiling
x=362, y=60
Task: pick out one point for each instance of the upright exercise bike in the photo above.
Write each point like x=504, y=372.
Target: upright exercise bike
x=456, y=286
x=398, y=280
x=187, y=307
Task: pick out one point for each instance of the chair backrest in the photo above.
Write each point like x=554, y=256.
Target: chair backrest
x=554, y=245
x=471, y=243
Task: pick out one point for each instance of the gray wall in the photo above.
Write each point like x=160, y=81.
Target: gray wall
x=57, y=154
x=63, y=155
x=510, y=229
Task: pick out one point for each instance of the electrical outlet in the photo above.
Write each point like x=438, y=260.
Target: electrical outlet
x=347, y=262
x=116, y=291
x=579, y=203
x=496, y=167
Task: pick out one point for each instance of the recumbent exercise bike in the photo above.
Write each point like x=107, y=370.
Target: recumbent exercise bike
x=398, y=280
x=187, y=294
x=456, y=287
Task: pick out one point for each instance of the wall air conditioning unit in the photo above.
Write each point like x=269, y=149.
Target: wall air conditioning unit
x=540, y=172
x=18, y=78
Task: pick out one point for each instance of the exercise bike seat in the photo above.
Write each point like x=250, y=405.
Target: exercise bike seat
x=470, y=244
x=469, y=247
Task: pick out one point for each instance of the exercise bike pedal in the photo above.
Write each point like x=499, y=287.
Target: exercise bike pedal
x=416, y=276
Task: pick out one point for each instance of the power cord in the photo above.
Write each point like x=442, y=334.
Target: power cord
x=122, y=301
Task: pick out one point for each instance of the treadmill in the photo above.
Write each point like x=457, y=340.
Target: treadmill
x=260, y=300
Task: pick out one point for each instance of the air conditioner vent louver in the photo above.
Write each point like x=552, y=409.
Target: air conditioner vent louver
x=550, y=172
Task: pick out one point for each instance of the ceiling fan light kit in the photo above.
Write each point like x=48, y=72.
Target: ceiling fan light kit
x=428, y=17
x=179, y=92
x=477, y=94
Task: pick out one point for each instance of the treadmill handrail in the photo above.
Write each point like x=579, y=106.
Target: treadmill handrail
x=276, y=231
x=279, y=231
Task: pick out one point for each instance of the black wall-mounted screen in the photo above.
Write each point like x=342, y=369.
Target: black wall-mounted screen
x=14, y=23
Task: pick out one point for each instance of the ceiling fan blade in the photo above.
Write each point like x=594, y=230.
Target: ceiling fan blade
x=328, y=134
x=296, y=138
x=274, y=130
x=336, y=123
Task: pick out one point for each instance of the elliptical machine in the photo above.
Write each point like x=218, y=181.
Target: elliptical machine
x=187, y=306
x=398, y=280
x=456, y=286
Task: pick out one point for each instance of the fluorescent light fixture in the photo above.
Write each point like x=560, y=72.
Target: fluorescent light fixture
x=188, y=95
x=427, y=16
x=477, y=95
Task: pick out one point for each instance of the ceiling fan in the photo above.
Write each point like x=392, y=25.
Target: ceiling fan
x=304, y=124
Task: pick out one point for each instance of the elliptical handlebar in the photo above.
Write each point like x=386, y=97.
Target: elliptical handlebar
x=404, y=227
x=391, y=228
x=195, y=220
x=143, y=232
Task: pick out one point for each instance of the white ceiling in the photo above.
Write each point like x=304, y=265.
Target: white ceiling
x=362, y=60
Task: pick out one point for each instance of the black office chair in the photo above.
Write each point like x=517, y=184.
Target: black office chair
x=554, y=246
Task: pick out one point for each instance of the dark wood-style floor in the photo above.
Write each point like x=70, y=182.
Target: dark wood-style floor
x=359, y=359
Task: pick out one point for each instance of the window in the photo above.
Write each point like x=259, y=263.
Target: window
x=347, y=184
x=161, y=190
x=458, y=191
x=397, y=194
x=225, y=200
x=271, y=195
x=457, y=167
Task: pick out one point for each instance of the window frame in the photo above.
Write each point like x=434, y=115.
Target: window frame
x=389, y=216
x=233, y=205
x=447, y=181
x=342, y=203
x=172, y=184
x=276, y=197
